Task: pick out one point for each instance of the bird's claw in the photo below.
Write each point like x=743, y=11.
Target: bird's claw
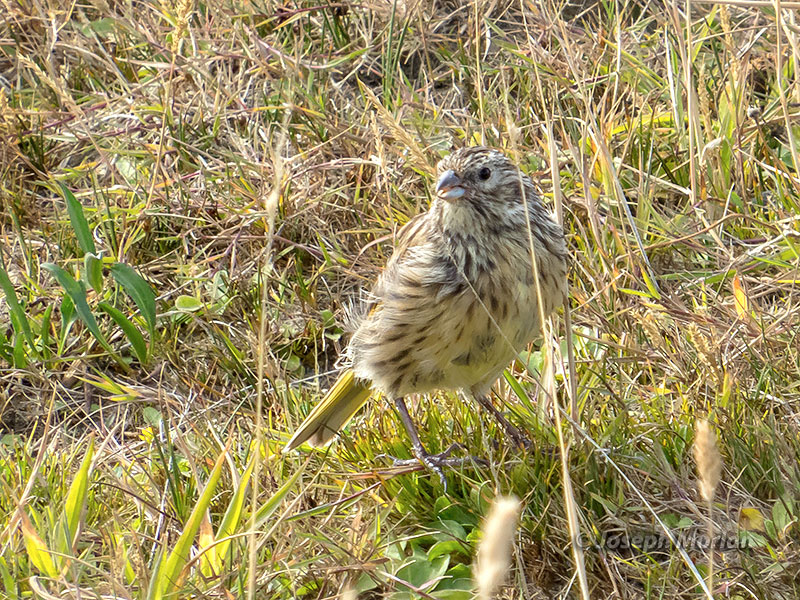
x=436, y=462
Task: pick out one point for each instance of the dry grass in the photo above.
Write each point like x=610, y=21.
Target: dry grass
x=171, y=123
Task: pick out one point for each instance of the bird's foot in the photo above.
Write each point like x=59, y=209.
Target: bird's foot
x=435, y=462
x=516, y=435
x=519, y=438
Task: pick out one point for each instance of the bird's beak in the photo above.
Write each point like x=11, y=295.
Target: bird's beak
x=449, y=186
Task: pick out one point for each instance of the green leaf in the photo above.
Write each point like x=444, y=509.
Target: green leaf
x=420, y=572
x=78, y=221
x=19, y=320
x=293, y=363
x=134, y=337
x=19, y=353
x=781, y=517
x=454, y=528
x=454, y=594
x=152, y=416
x=233, y=516
x=271, y=505
x=186, y=303
x=68, y=317
x=167, y=575
x=77, y=498
x=6, y=351
x=77, y=294
x=44, y=331
x=446, y=547
x=140, y=291
x=37, y=550
x=9, y=581
x=93, y=271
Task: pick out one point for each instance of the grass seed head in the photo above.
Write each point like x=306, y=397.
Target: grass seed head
x=494, y=552
x=709, y=463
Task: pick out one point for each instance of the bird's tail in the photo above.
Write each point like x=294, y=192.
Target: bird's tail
x=332, y=413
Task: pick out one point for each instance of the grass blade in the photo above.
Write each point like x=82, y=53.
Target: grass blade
x=18, y=318
x=271, y=505
x=78, y=220
x=93, y=271
x=36, y=548
x=167, y=577
x=140, y=291
x=77, y=295
x=232, y=515
x=74, y=507
x=134, y=337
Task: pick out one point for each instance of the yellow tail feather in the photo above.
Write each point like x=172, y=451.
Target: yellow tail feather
x=332, y=413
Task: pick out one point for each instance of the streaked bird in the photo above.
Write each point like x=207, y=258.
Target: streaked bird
x=457, y=301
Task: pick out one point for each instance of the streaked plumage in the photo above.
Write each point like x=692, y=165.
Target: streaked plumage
x=457, y=300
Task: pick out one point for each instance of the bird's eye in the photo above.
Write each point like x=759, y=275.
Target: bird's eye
x=485, y=173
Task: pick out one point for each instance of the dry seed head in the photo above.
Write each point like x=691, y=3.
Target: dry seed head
x=7, y=125
x=494, y=551
x=705, y=347
x=706, y=455
x=704, y=102
x=725, y=21
x=183, y=9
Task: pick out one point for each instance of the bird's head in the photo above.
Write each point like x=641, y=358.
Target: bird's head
x=479, y=176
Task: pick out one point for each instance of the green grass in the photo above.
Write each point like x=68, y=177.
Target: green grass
x=251, y=162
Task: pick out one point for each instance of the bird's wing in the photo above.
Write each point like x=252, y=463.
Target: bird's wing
x=410, y=235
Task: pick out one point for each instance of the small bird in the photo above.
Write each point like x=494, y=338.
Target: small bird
x=457, y=301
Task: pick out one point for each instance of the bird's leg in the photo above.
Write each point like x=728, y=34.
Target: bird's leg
x=514, y=433
x=434, y=462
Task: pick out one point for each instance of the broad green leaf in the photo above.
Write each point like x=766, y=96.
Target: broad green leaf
x=44, y=332
x=447, y=547
x=78, y=221
x=79, y=492
x=68, y=317
x=104, y=27
x=233, y=514
x=77, y=294
x=134, y=337
x=167, y=576
x=152, y=416
x=265, y=512
x=77, y=498
x=67, y=310
x=781, y=517
x=454, y=594
x=93, y=271
x=36, y=548
x=140, y=291
x=19, y=353
x=19, y=320
x=186, y=303
x=419, y=571
x=9, y=581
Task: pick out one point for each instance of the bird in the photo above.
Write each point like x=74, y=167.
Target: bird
x=456, y=302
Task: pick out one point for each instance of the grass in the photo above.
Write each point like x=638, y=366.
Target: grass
x=250, y=163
